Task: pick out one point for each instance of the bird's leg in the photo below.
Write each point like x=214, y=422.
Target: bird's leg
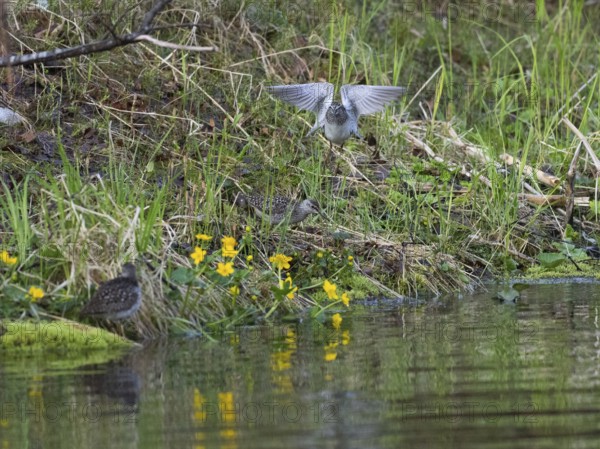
x=375, y=155
x=110, y=326
x=372, y=142
x=337, y=163
x=329, y=153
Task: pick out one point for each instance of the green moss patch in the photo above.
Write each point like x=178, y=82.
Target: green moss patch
x=56, y=337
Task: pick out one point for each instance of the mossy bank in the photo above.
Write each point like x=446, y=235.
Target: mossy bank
x=137, y=154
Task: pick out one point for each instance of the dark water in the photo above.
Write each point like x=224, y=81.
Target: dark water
x=452, y=373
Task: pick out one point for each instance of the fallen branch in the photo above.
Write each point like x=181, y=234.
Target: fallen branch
x=543, y=200
x=96, y=47
x=468, y=149
x=418, y=143
x=554, y=200
x=543, y=177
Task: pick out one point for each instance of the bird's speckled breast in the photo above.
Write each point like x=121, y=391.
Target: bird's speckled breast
x=339, y=125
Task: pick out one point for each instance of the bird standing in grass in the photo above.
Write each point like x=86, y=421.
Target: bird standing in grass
x=339, y=121
x=278, y=208
x=116, y=299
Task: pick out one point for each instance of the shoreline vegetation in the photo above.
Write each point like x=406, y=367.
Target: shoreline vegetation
x=487, y=168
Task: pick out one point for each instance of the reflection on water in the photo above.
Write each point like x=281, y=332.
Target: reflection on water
x=457, y=373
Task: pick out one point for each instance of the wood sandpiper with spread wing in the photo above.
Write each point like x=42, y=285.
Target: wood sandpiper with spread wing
x=339, y=121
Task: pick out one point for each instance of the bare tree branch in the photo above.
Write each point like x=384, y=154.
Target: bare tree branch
x=99, y=46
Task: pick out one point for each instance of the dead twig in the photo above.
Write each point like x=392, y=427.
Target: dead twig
x=164, y=44
x=586, y=144
x=99, y=46
x=4, y=42
x=543, y=177
x=570, y=188
x=543, y=200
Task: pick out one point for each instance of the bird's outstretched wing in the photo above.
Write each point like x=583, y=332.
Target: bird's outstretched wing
x=315, y=97
x=364, y=100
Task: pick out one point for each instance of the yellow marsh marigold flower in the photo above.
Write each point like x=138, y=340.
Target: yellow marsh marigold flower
x=198, y=255
x=235, y=290
x=336, y=321
x=225, y=269
x=330, y=290
x=319, y=254
x=345, y=299
x=249, y=258
x=5, y=258
x=228, y=252
x=229, y=244
x=281, y=261
x=288, y=281
x=203, y=237
x=35, y=293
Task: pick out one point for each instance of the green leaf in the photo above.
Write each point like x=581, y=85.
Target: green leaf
x=570, y=233
x=568, y=249
x=510, y=264
x=13, y=292
x=551, y=260
x=463, y=278
x=183, y=276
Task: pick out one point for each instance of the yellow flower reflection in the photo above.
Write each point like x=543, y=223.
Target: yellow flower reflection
x=227, y=406
x=336, y=321
x=199, y=407
x=345, y=337
x=330, y=352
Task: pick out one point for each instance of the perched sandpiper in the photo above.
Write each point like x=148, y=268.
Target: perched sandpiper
x=116, y=299
x=338, y=120
x=277, y=208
